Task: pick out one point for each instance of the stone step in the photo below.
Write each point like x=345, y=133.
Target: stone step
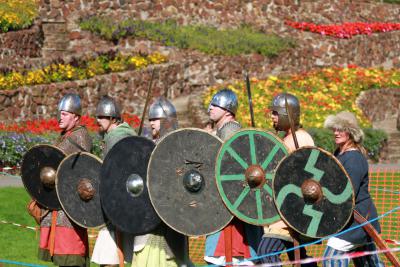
x=394, y=143
x=394, y=136
x=181, y=106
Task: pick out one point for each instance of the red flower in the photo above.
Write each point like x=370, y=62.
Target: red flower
x=51, y=125
x=345, y=30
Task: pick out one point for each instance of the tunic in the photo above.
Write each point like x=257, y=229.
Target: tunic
x=70, y=240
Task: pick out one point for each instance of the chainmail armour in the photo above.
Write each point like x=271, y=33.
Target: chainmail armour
x=228, y=129
x=81, y=137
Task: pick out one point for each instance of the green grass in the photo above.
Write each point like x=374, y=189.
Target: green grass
x=209, y=40
x=17, y=244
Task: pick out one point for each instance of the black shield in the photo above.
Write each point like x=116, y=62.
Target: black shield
x=123, y=188
x=78, y=189
x=244, y=172
x=181, y=181
x=38, y=171
x=313, y=192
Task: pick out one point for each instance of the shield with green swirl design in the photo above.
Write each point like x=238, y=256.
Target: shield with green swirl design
x=313, y=192
x=244, y=171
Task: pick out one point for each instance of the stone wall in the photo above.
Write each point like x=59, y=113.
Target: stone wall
x=269, y=16
x=15, y=46
x=129, y=87
x=379, y=105
x=194, y=71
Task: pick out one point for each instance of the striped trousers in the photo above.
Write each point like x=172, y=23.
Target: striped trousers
x=269, y=245
x=363, y=261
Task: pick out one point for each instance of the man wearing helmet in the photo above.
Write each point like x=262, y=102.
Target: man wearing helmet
x=277, y=236
x=163, y=246
x=113, y=129
x=245, y=237
x=61, y=240
x=162, y=117
x=222, y=110
x=280, y=120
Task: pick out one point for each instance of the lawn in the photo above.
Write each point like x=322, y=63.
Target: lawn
x=17, y=243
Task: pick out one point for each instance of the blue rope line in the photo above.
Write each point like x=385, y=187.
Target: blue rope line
x=317, y=241
x=20, y=263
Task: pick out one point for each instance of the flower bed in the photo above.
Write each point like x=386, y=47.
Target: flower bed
x=51, y=125
x=17, y=138
x=17, y=14
x=345, y=30
x=78, y=69
x=320, y=92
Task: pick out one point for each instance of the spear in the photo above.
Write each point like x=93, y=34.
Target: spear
x=147, y=101
x=253, y=124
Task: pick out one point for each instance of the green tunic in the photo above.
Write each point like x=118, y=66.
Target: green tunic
x=120, y=132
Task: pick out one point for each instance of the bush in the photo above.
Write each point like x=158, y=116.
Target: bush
x=373, y=141
x=17, y=14
x=206, y=39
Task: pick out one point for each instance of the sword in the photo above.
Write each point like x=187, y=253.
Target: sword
x=253, y=124
x=147, y=102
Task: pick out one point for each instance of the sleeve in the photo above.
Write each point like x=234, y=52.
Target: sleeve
x=355, y=169
x=83, y=139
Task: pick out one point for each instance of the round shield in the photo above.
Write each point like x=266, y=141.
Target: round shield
x=123, y=188
x=38, y=171
x=78, y=189
x=181, y=181
x=313, y=192
x=244, y=172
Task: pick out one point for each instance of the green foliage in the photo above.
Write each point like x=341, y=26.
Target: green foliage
x=323, y=138
x=391, y=1
x=15, y=145
x=373, y=141
x=17, y=14
x=97, y=147
x=206, y=39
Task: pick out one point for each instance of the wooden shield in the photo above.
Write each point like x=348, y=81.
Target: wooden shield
x=123, y=189
x=38, y=171
x=181, y=182
x=244, y=172
x=313, y=192
x=78, y=189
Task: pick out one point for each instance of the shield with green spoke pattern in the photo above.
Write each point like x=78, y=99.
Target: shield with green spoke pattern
x=244, y=171
x=313, y=192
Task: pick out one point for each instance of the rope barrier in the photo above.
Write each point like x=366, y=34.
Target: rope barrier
x=19, y=225
x=317, y=241
x=21, y=263
x=318, y=259
x=34, y=228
